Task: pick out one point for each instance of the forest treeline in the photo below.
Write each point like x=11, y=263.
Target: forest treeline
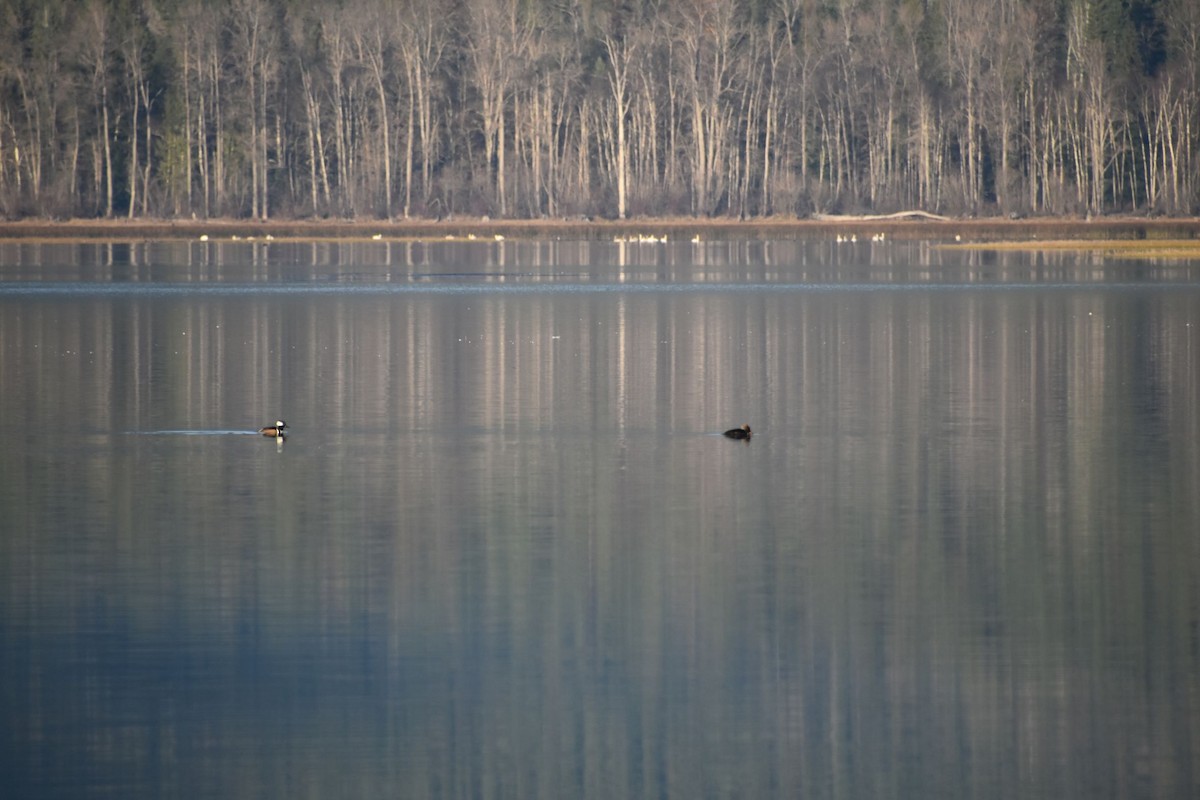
x=614, y=108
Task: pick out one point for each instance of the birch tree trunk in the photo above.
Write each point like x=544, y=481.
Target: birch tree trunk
x=620, y=53
x=96, y=57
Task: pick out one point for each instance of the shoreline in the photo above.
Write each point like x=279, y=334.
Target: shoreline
x=1036, y=232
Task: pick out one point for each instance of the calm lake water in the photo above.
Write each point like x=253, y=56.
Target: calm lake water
x=505, y=552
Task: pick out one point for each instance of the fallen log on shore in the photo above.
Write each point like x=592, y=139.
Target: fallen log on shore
x=915, y=213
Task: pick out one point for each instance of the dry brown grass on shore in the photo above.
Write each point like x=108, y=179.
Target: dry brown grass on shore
x=1123, y=248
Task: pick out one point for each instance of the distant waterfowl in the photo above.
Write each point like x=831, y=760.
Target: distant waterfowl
x=739, y=433
x=275, y=430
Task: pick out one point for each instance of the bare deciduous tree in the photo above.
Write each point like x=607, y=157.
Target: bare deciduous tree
x=533, y=107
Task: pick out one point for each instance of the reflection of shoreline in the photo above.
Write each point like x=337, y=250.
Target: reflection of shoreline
x=678, y=229
x=508, y=548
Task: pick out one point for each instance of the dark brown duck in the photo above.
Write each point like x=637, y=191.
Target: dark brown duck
x=739, y=433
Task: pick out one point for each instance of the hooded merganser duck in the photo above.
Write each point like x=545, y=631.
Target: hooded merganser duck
x=739, y=433
x=275, y=430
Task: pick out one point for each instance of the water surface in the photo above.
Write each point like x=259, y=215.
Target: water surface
x=505, y=551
